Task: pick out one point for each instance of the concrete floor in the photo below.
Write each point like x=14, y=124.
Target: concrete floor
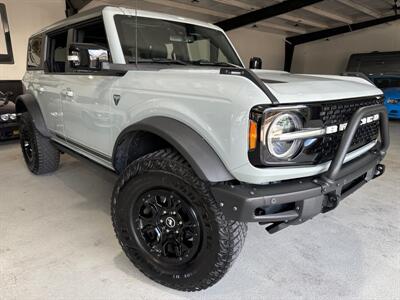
x=57, y=242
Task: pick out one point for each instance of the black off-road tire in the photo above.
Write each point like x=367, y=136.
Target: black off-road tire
x=40, y=155
x=221, y=239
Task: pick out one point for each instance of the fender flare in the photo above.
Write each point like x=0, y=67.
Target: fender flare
x=197, y=152
x=28, y=102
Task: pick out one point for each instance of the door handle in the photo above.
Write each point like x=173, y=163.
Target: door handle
x=68, y=93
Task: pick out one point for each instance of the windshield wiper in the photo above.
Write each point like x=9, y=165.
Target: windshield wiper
x=159, y=61
x=216, y=64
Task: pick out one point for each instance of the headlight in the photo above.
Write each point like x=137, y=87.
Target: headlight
x=393, y=101
x=284, y=123
x=5, y=117
x=13, y=117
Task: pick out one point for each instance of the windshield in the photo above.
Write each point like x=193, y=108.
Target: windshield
x=162, y=41
x=387, y=82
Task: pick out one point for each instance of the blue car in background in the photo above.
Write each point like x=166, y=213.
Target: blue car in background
x=383, y=69
x=390, y=85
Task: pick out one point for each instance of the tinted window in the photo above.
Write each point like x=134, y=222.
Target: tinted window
x=387, y=82
x=161, y=39
x=35, y=53
x=57, y=57
x=98, y=51
x=93, y=33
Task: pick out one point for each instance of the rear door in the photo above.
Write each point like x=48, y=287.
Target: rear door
x=45, y=80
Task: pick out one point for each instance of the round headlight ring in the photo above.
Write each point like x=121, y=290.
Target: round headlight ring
x=13, y=117
x=5, y=117
x=284, y=123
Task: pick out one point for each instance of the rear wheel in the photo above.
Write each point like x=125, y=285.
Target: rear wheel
x=39, y=153
x=170, y=226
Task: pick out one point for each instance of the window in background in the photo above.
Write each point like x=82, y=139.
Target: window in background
x=6, y=53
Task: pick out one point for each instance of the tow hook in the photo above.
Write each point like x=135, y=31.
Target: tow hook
x=380, y=169
x=331, y=202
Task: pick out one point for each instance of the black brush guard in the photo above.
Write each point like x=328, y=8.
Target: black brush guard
x=296, y=201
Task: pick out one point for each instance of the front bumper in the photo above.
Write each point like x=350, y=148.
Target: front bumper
x=9, y=130
x=296, y=201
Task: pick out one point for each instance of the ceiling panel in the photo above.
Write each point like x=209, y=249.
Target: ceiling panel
x=326, y=14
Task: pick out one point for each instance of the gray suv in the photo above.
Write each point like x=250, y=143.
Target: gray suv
x=201, y=144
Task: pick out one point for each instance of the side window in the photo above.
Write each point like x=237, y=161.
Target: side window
x=89, y=47
x=57, y=57
x=35, y=53
x=93, y=33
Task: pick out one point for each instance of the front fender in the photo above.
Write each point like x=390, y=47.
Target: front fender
x=199, y=154
x=28, y=102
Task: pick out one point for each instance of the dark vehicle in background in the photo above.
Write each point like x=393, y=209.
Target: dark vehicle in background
x=382, y=68
x=9, y=90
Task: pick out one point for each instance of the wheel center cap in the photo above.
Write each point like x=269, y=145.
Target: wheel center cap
x=170, y=222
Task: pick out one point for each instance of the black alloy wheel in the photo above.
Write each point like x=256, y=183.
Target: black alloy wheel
x=26, y=144
x=167, y=226
x=170, y=226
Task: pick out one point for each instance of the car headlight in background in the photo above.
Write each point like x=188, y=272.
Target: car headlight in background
x=393, y=101
x=6, y=117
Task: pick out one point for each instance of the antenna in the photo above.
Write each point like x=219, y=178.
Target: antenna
x=136, y=33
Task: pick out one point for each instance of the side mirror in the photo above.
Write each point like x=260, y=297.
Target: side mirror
x=255, y=63
x=88, y=56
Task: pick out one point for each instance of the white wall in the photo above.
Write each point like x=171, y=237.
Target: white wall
x=26, y=17
x=270, y=47
x=331, y=56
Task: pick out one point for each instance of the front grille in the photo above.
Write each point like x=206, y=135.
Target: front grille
x=339, y=112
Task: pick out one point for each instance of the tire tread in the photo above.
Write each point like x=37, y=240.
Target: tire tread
x=47, y=159
x=232, y=233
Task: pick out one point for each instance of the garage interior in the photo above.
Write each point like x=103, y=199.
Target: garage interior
x=57, y=240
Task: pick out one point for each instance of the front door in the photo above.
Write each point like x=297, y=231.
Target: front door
x=85, y=102
x=86, y=96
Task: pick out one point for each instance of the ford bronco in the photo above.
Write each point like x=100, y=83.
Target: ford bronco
x=202, y=145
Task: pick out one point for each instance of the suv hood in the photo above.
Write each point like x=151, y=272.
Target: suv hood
x=295, y=88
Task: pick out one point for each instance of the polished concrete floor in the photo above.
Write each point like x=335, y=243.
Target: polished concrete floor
x=57, y=242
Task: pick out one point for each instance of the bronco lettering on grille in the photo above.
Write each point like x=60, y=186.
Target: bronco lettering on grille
x=343, y=126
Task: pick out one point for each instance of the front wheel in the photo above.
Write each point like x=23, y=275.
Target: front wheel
x=170, y=226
